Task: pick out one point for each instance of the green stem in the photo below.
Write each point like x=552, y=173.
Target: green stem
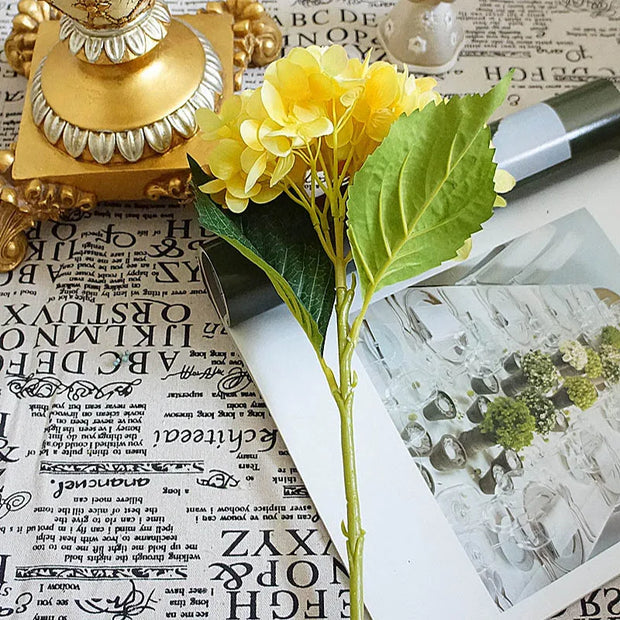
x=354, y=531
x=343, y=395
x=342, y=383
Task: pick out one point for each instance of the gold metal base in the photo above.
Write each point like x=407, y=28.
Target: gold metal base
x=38, y=181
x=132, y=111
x=36, y=158
x=125, y=95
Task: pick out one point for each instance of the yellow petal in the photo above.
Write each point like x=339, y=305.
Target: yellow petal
x=503, y=180
x=236, y=187
x=425, y=83
x=319, y=127
x=345, y=134
x=267, y=194
x=499, y=202
x=334, y=60
x=249, y=133
x=273, y=103
x=321, y=86
x=292, y=80
x=256, y=170
x=379, y=124
x=213, y=186
x=273, y=141
x=316, y=52
x=350, y=96
x=305, y=59
x=282, y=168
x=254, y=106
x=382, y=86
x=224, y=160
x=209, y=122
x=236, y=205
x=307, y=113
x=248, y=159
x=355, y=69
x=231, y=108
x=464, y=251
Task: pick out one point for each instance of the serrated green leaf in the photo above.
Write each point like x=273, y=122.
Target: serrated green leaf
x=424, y=191
x=280, y=240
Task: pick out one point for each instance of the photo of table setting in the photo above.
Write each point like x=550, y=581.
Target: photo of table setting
x=507, y=399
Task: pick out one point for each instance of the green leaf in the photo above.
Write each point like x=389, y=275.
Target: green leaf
x=278, y=238
x=424, y=190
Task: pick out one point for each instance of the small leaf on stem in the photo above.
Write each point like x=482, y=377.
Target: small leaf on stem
x=279, y=238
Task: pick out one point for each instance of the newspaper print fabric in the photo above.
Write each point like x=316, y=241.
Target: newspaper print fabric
x=140, y=474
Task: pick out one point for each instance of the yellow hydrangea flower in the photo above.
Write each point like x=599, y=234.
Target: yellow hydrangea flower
x=316, y=104
x=243, y=168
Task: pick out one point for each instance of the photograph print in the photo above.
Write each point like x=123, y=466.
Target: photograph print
x=502, y=377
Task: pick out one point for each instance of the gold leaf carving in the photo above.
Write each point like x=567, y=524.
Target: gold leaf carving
x=24, y=203
x=20, y=43
x=257, y=38
x=171, y=187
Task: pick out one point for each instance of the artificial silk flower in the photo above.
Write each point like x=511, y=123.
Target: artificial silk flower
x=317, y=109
x=309, y=131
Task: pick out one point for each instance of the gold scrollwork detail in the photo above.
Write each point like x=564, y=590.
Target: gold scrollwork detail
x=22, y=204
x=257, y=38
x=174, y=187
x=20, y=43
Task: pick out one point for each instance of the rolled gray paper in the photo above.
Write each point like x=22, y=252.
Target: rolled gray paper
x=528, y=142
x=566, y=127
x=238, y=289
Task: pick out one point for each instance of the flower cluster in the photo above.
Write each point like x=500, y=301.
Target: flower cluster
x=610, y=358
x=509, y=422
x=539, y=370
x=574, y=354
x=318, y=115
x=611, y=335
x=594, y=367
x=581, y=392
x=317, y=107
x=541, y=408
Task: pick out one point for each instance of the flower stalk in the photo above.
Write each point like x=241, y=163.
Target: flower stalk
x=342, y=383
x=309, y=132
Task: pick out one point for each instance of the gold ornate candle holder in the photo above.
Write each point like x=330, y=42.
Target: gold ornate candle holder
x=110, y=105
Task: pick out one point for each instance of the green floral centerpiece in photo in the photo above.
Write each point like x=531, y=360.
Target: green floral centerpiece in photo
x=594, y=366
x=611, y=335
x=579, y=391
x=539, y=370
x=510, y=423
x=610, y=359
x=368, y=165
x=507, y=422
x=541, y=408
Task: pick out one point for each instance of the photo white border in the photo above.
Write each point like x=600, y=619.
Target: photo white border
x=414, y=565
